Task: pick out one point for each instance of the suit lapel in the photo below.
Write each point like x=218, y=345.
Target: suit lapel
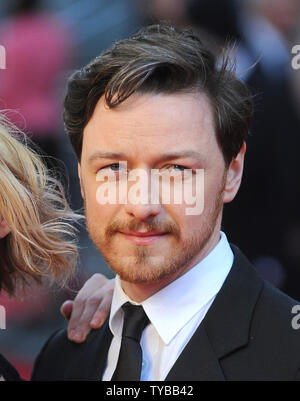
x=197, y=361
x=225, y=327
x=228, y=321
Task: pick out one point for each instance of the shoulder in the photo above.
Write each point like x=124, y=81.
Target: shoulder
x=62, y=359
x=269, y=300
x=274, y=335
x=7, y=371
x=257, y=321
x=275, y=311
x=274, y=338
x=50, y=355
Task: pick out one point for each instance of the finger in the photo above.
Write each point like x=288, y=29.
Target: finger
x=82, y=321
x=66, y=309
x=102, y=312
x=89, y=287
x=96, y=281
x=78, y=307
x=86, y=303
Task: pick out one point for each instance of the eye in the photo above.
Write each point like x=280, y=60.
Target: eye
x=180, y=170
x=179, y=167
x=113, y=167
x=114, y=171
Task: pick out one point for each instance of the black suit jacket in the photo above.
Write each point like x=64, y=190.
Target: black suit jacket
x=7, y=371
x=246, y=335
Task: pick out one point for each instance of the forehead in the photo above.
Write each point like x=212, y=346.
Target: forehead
x=147, y=124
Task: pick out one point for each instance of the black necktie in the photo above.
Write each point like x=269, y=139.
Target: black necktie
x=130, y=357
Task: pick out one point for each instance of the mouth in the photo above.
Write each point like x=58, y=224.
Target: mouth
x=143, y=238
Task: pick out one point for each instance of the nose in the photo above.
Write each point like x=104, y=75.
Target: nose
x=142, y=211
x=139, y=203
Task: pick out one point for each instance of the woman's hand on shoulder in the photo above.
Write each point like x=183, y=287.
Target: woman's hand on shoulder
x=90, y=308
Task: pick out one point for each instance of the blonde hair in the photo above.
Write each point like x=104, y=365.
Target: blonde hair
x=32, y=202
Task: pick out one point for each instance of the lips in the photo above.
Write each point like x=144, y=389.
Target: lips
x=143, y=234
x=143, y=238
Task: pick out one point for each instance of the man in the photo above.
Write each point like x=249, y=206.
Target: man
x=186, y=304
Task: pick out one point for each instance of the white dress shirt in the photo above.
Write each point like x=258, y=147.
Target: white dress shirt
x=174, y=312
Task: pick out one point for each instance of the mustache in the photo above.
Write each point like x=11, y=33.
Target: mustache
x=134, y=225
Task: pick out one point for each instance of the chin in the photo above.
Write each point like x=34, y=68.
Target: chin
x=133, y=271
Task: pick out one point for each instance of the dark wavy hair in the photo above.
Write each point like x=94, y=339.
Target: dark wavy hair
x=161, y=59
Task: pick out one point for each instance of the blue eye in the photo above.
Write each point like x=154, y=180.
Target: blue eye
x=181, y=168
x=116, y=167
x=113, y=167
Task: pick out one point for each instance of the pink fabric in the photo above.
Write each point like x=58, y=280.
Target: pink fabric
x=37, y=52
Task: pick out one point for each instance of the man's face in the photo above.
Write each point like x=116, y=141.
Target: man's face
x=142, y=130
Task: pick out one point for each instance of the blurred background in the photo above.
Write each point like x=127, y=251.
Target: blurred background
x=46, y=40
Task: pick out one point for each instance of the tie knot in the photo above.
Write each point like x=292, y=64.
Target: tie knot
x=135, y=320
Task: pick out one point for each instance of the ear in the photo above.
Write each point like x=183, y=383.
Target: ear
x=4, y=227
x=80, y=180
x=234, y=175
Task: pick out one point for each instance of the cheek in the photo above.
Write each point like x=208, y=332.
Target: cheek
x=94, y=211
x=192, y=225
x=99, y=212
x=91, y=189
x=91, y=200
x=214, y=183
x=177, y=214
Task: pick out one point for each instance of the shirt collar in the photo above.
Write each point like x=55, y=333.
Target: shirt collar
x=196, y=288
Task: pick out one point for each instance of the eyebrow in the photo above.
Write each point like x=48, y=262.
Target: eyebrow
x=164, y=156
x=105, y=155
